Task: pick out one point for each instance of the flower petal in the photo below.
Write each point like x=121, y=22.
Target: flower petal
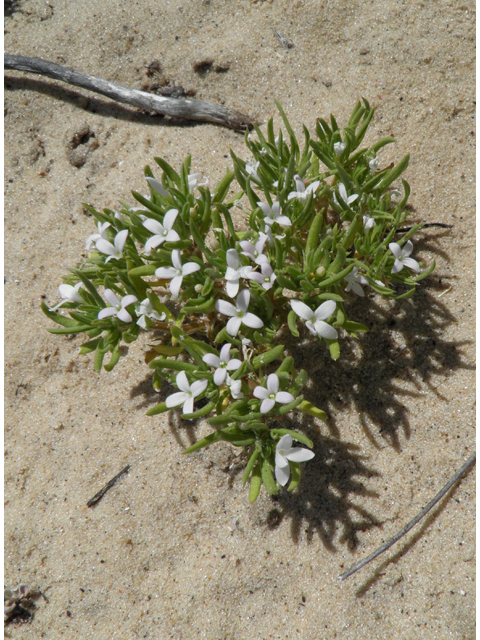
x=252, y=321
x=211, y=359
x=273, y=383
x=124, y=316
x=189, y=268
x=282, y=474
x=169, y=218
x=260, y=392
x=243, y=300
x=325, y=310
x=411, y=264
x=299, y=454
x=105, y=313
x=284, y=397
x=158, y=187
x=395, y=249
x=198, y=387
x=111, y=298
x=226, y=308
x=165, y=273
x=176, y=261
x=284, y=443
x=233, y=261
x=182, y=382
x=120, y=240
x=176, y=399
x=325, y=330
x=130, y=299
x=104, y=246
x=233, y=325
x=188, y=405
x=153, y=225
x=175, y=285
x=301, y=309
x=219, y=376
x=267, y=405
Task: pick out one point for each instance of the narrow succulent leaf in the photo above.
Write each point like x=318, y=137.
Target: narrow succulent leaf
x=255, y=482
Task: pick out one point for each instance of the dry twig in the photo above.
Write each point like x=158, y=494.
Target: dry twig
x=173, y=107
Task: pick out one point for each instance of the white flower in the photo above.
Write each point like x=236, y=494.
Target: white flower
x=272, y=214
x=254, y=251
x=368, y=223
x=251, y=168
x=285, y=452
x=102, y=233
x=314, y=319
x=176, y=273
x=193, y=182
x=354, y=280
x=234, y=272
x=271, y=394
x=158, y=187
x=145, y=310
x=69, y=294
x=402, y=257
x=115, y=250
x=222, y=364
x=342, y=192
x=339, y=148
x=235, y=387
x=187, y=393
x=163, y=232
x=266, y=278
x=118, y=308
x=373, y=165
x=302, y=192
x=239, y=313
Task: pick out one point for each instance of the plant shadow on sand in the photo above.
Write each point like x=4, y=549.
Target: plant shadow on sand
x=400, y=356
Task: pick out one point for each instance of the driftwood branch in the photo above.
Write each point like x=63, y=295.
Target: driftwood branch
x=173, y=107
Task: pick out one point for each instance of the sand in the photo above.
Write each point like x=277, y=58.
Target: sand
x=174, y=550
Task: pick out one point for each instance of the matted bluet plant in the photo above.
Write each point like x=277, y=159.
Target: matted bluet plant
x=319, y=228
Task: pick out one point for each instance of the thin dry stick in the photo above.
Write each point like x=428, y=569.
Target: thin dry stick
x=98, y=496
x=174, y=107
x=412, y=523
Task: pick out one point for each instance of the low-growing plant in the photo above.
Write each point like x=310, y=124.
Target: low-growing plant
x=319, y=229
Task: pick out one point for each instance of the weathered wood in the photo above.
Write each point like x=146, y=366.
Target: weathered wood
x=173, y=107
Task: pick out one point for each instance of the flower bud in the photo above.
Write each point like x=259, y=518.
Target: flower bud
x=320, y=272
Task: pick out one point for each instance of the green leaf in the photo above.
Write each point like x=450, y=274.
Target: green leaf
x=114, y=359
x=255, y=482
x=296, y=473
x=300, y=437
x=200, y=413
x=175, y=365
x=160, y=408
x=267, y=357
x=292, y=323
x=334, y=347
x=354, y=327
x=267, y=477
x=144, y=270
x=170, y=171
x=312, y=410
x=251, y=463
x=204, y=442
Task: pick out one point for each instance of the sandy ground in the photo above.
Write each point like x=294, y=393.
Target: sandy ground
x=175, y=550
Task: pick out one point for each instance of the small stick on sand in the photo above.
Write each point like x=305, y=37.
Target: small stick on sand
x=98, y=496
x=173, y=107
x=412, y=523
